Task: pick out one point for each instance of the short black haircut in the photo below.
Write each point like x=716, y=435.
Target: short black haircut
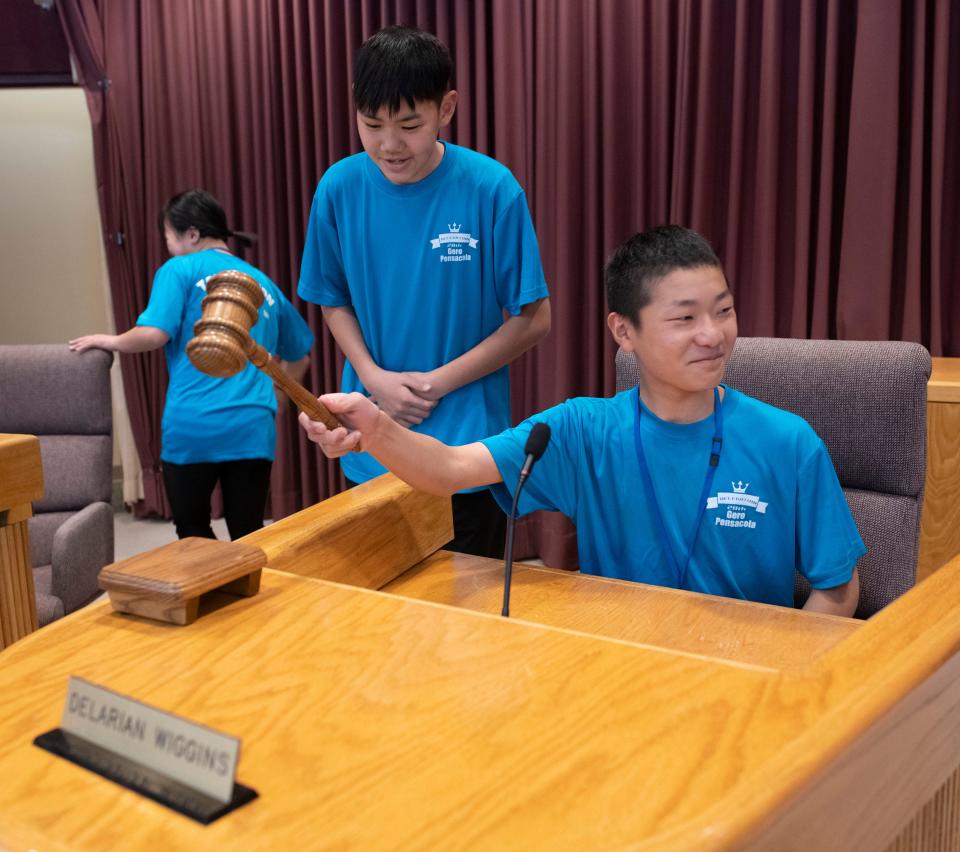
x=636, y=265
x=400, y=64
x=197, y=208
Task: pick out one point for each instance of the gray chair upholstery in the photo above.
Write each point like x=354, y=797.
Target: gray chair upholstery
x=868, y=402
x=64, y=398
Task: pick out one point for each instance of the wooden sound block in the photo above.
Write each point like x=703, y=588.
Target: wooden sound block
x=166, y=583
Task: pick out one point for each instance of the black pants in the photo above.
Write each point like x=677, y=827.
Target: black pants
x=243, y=483
x=479, y=524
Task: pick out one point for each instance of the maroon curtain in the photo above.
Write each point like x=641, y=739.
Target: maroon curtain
x=104, y=46
x=811, y=142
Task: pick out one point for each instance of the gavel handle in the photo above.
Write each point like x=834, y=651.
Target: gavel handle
x=302, y=398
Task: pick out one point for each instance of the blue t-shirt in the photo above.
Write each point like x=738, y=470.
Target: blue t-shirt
x=776, y=505
x=206, y=419
x=429, y=269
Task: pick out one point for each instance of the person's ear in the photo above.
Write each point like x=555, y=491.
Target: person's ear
x=193, y=234
x=448, y=106
x=624, y=332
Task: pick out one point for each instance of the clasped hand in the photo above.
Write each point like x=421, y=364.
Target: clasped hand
x=408, y=397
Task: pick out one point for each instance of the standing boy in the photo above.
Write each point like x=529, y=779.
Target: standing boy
x=424, y=259
x=679, y=482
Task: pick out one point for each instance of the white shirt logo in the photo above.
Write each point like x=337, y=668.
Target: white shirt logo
x=737, y=503
x=455, y=242
x=267, y=298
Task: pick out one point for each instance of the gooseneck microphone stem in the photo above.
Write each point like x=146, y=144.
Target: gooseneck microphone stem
x=508, y=554
x=536, y=444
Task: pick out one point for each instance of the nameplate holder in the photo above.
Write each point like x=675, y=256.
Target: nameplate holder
x=185, y=766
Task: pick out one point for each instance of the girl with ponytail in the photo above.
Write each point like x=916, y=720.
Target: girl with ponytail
x=212, y=429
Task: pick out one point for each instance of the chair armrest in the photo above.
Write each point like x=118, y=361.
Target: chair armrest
x=82, y=545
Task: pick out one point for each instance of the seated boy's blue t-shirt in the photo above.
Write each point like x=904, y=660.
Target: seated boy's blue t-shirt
x=776, y=505
x=207, y=419
x=429, y=269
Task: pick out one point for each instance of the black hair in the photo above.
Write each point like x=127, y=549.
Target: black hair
x=400, y=64
x=197, y=208
x=636, y=265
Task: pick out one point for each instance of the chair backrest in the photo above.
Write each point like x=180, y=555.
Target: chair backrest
x=868, y=402
x=63, y=397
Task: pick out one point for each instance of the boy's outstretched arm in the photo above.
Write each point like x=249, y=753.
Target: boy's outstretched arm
x=517, y=334
x=419, y=460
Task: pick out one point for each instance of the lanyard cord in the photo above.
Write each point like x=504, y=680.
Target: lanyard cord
x=715, y=447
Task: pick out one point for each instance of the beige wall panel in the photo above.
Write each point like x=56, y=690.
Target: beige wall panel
x=52, y=268
x=53, y=277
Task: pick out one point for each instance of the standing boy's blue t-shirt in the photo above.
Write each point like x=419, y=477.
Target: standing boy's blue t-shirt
x=206, y=419
x=429, y=269
x=776, y=505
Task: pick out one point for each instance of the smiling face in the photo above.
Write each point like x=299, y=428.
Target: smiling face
x=404, y=144
x=685, y=333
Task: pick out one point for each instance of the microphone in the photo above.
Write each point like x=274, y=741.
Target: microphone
x=536, y=444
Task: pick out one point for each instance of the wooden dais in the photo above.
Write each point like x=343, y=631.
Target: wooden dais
x=166, y=584
x=21, y=482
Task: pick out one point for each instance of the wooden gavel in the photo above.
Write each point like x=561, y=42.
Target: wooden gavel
x=222, y=344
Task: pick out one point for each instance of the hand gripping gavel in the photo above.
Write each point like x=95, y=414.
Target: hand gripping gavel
x=222, y=344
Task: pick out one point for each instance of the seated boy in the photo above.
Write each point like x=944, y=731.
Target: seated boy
x=680, y=482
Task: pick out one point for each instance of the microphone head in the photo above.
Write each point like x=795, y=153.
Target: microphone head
x=537, y=441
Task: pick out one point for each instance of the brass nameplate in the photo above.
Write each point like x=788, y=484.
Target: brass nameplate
x=192, y=755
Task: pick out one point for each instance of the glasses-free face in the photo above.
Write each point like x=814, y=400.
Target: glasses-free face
x=404, y=144
x=685, y=334
x=180, y=242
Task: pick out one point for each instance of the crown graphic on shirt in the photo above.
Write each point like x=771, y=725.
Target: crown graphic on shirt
x=739, y=487
x=454, y=228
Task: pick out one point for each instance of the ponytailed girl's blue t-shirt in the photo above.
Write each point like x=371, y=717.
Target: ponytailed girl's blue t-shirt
x=775, y=507
x=429, y=269
x=206, y=419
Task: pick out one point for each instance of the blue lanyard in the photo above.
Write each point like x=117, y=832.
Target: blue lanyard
x=715, y=447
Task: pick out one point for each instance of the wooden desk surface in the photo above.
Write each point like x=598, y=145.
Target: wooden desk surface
x=370, y=720
x=373, y=721
x=769, y=636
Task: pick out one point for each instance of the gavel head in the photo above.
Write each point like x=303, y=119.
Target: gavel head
x=222, y=334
